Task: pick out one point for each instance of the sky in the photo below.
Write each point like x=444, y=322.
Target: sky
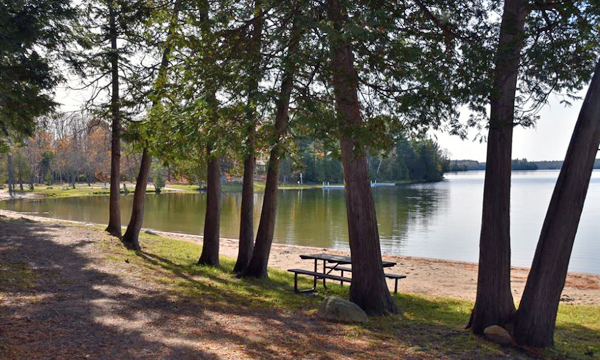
x=548, y=140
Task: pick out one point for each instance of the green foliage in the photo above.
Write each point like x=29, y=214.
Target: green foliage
x=31, y=32
x=523, y=164
x=158, y=177
x=419, y=159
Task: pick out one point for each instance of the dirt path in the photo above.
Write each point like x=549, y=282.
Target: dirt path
x=82, y=306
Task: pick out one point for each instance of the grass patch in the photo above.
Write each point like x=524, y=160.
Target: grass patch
x=15, y=277
x=433, y=325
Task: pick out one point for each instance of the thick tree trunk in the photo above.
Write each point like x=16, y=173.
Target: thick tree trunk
x=536, y=317
x=368, y=288
x=246, y=242
x=494, y=304
x=131, y=237
x=210, y=247
x=114, y=218
x=264, y=238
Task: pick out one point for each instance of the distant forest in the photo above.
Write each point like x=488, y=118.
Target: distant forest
x=517, y=164
x=418, y=160
x=75, y=149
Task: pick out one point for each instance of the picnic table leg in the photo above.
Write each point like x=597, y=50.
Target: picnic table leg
x=324, y=272
x=342, y=281
x=315, y=278
x=396, y=287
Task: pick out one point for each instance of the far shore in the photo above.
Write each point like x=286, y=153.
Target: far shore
x=431, y=277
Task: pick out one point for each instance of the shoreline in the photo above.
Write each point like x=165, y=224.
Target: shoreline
x=425, y=276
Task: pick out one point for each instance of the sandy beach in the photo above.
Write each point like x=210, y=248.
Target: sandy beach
x=431, y=277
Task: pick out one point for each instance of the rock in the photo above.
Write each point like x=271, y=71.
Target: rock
x=336, y=309
x=498, y=335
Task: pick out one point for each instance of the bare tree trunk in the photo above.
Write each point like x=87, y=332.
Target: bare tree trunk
x=131, y=237
x=210, y=247
x=494, y=304
x=114, y=222
x=368, y=288
x=536, y=317
x=246, y=242
x=264, y=238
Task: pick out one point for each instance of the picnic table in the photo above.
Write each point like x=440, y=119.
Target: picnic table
x=338, y=262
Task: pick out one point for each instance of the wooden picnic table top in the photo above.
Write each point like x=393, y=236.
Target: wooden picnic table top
x=340, y=259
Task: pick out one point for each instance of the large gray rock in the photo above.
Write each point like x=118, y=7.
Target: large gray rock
x=498, y=335
x=337, y=309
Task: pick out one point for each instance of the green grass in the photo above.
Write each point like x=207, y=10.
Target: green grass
x=431, y=324
x=15, y=277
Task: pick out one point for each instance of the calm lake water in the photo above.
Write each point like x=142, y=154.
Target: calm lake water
x=440, y=220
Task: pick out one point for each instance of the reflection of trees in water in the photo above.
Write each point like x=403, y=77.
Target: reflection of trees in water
x=307, y=217
x=311, y=217
x=400, y=208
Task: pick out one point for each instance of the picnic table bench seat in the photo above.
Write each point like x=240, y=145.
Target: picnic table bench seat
x=316, y=275
x=395, y=277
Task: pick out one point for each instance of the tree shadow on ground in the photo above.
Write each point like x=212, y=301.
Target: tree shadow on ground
x=84, y=307
x=154, y=306
x=66, y=311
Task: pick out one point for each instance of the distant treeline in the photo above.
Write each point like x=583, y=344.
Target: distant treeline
x=420, y=160
x=517, y=164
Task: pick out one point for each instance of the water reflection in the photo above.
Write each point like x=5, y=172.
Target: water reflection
x=304, y=217
x=440, y=220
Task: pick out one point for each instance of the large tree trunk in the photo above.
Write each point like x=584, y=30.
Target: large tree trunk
x=246, y=242
x=368, y=288
x=210, y=247
x=264, y=238
x=536, y=317
x=114, y=219
x=131, y=238
x=494, y=304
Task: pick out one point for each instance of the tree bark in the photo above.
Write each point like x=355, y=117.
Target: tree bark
x=246, y=241
x=368, y=288
x=210, y=247
x=114, y=221
x=494, y=303
x=131, y=237
x=264, y=238
x=536, y=317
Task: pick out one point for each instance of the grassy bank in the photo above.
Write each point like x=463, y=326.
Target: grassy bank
x=99, y=189
x=431, y=325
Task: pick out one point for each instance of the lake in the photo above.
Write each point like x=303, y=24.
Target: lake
x=440, y=220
